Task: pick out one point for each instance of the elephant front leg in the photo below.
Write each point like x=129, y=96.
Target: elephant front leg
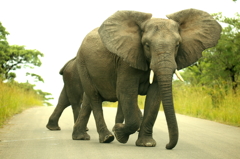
x=119, y=116
x=132, y=118
x=151, y=109
x=105, y=136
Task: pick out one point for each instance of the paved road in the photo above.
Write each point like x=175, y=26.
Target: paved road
x=25, y=137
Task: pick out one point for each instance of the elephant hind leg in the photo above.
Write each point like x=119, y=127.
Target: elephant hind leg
x=79, y=133
x=79, y=129
x=63, y=102
x=105, y=136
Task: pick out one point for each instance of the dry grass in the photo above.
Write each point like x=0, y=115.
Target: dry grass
x=13, y=100
x=202, y=103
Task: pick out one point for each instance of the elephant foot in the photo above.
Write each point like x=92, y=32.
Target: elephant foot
x=146, y=141
x=119, y=133
x=106, y=138
x=80, y=136
x=53, y=127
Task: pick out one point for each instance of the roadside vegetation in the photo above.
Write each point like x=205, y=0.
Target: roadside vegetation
x=202, y=102
x=16, y=97
x=211, y=88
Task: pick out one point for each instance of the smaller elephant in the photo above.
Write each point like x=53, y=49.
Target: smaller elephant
x=72, y=94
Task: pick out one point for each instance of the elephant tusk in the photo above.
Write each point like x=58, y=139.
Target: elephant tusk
x=179, y=76
x=151, y=77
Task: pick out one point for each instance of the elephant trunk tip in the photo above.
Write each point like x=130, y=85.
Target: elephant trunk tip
x=172, y=144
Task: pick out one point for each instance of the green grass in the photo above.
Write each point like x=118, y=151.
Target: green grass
x=211, y=105
x=201, y=103
x=14, y=100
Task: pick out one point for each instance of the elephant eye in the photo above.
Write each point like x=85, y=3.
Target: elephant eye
x=147, y=45
x=177, y=45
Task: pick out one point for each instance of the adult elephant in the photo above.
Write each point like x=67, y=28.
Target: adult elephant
x=72, y=94
x=114, y=63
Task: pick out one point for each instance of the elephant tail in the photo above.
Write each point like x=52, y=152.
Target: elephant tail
x=63, y=68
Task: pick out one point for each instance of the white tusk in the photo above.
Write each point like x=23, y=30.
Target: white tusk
x=151, y=77
x=179, y=76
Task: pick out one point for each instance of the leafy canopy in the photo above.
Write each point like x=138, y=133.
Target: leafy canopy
x=220, y=65
x=13, y=57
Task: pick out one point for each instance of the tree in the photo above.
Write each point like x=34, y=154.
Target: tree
x=220, y=65
x=3, y=45
x=17, y=57
x=224, y=58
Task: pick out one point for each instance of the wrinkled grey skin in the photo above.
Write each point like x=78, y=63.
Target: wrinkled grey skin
x=114, y=63
x=72, y=94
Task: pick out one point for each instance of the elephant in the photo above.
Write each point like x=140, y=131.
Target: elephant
x=115, y=60
x=72, y=94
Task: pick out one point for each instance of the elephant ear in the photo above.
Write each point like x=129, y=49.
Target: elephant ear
x=199, y=31
x=121, y=35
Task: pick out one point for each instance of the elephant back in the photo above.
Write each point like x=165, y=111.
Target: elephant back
x=63, y=68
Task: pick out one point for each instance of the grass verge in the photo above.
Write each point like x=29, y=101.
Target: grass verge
x=201, y=103
x=14, y=100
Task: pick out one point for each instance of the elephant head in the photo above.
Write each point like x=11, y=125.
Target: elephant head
x=162, y=45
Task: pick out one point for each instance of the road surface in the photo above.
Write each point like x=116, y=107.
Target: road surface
x=26, y=137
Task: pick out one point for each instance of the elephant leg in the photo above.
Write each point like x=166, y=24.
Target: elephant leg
x=105, y=136
x=63, y=102
x=76, y=108
x=79, y=132
x=131, y=116
x=151, y=109
x=79, y=129
x=119, y=117
x=141, y=118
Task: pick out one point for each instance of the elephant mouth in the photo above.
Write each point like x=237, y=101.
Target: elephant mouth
x=176, y=72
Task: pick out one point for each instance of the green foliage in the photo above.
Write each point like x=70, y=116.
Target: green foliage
x=16, y=57
x=3, y=44
x=44, y=96
x=220, y=66
x=13, y=57
x=37, y=77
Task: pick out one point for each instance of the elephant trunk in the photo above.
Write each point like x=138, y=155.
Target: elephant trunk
x=165, y=85
x=163, y=67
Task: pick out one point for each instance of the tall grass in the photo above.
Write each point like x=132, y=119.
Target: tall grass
x=216, y=105
x=203, y=103
x=13, y=100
